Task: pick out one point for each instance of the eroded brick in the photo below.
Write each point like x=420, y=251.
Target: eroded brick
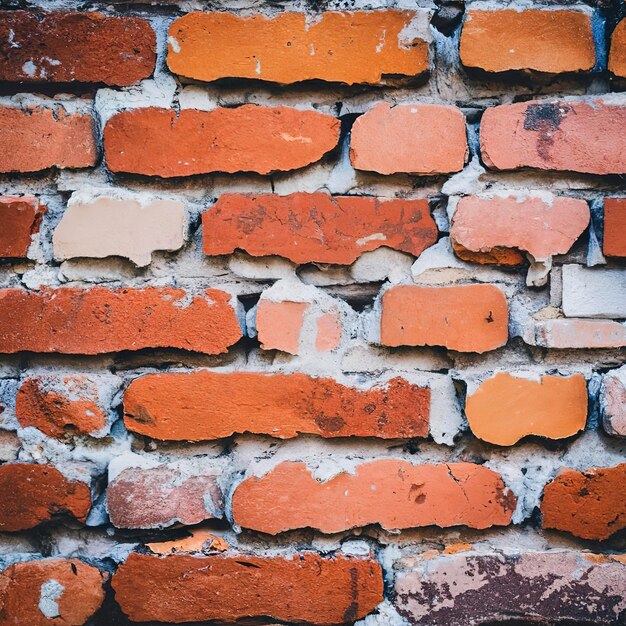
x=614, y=243
x=20, y=218
x=613, y=402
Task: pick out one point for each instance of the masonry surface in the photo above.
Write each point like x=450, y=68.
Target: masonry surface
x=313, y=312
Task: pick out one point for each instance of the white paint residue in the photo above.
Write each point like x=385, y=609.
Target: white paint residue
x=174, y=44
x=374, y=237
x=288, y=137
x=51, y=591
x=29, y=68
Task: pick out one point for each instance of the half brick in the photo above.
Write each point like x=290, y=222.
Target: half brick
x=614, y=243
x=617, y=54
x=19, y=221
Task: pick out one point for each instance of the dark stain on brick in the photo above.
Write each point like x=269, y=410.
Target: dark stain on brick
x=545, y=119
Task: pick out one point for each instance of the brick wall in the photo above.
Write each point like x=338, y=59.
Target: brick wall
x=312, y=312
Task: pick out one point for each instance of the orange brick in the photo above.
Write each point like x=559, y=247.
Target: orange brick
x=570, y=135
x=414, y=138
x=394, y=494
x=467, y=318
x=617, y=54
x=349, y=47
x=35, y=139
x=614, y=243
x=541, y=40
x=19, y=221
x=31, y=494
x=249, y=138
x=316, y=227
x=506, y=408
x=64, y=47
x=279, y=324
x=98, y=320
x=303, y=588
x=590, y=504
x=173, y=406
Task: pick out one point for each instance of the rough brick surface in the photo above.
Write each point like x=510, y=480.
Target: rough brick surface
x=97, y=321
x=468, y=318
x=316, y=227
x=614, y=242
x=31, y=494
x=414, y=138
x=594, y=294
x=590, y=504
x=617, y=54
x=613, y=402
x=303, y=588
x=394, y=494
x=249, y=138
x=37, y=138
x=64, y=47
x=50, y=591
x=349, y=47
x=507, y=407
x=173, y=406
x=580, y=333
x=20, y=218
x=578, y=136
x=545, y=41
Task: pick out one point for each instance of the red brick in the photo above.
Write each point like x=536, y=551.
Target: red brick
x=614, y=243
x=98, y=320
x=65, y=47
x=161, y=496
x=467, y=318
x=531, y=224
x=36, y=138
x=545, y=41
x=19, y=221
x=173, y=406
x=580, y=333
x=303, y=588
x=61, y=405
x=279, y=324
x=590, y=504
x=617, y=54
x=506, y=408
x=394, y=494
x=31, y=494
x=22, y=586
x=249, y=138
x=414, y=138
x=349, y=47
x=316, y=227
x=572, y=135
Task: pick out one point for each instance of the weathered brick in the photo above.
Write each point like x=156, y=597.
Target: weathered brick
x=31, y=494
x=249, y=138
x=316, y=227
x=279, y=325
x=467, y=318
x=98, y=320
x=173, y=406
x=303, y=588
x=131, y=226
x=617, y=55
x=545, y=587
x=36, y=138
x=64, y=47
x=614, y=243
x=349, y=47
x=569, y=135
x=507, y=407
x=613, y=402
x=541, y=40
x=589, y=504
x=50, y=591
x=160, y=496
x=20, y=218
x=580, y=333
x=60, y=405
x=394, y=494
x=594, y=292
x=415, y=138
x=528, y=223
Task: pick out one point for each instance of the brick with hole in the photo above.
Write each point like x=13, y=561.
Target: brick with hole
x=552, y=41
x=20, y=219
x=172, y=406
x=38, y=138
x=67, y=47
x=50, y=591
x=348, y=47
x=391, y=493
x=70, y=320
x=250, y=138
x=300, y=588
x=589, y=504
x=465, y=318
x=576, y=135
x=32, y=494
x=614, y=240
x=423, y=139
x=316, y=227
